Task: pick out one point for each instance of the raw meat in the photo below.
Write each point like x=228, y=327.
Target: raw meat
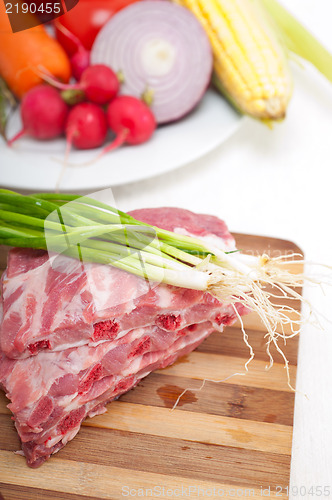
x=56, y=305
x=67, y=386
x=75, y=337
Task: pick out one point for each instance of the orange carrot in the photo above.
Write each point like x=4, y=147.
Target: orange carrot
x=24, y=53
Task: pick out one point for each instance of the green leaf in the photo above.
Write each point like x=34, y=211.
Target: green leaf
x=298, y=39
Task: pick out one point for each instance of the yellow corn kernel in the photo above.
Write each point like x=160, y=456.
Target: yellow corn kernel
x=249, y=63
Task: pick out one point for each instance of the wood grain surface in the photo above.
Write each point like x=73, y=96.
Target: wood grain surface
x=227, y=439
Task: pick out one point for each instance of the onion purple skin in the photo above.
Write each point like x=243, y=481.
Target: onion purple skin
x=179, y=90
x=200, y=97
x=194, y=106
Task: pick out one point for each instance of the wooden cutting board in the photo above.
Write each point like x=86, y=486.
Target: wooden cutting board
x=231, y=438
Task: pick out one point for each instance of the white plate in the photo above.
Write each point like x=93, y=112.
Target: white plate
x=32, y=165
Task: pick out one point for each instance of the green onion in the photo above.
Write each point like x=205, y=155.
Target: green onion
x=91, y=231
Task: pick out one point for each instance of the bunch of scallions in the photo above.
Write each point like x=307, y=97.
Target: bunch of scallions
x=92, y=231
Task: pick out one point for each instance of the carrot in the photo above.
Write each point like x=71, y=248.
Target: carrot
x=25, y=53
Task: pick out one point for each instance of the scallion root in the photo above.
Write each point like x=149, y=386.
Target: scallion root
x=266, y=278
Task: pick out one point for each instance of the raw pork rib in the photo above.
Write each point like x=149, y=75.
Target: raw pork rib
x=78, y=382
x=54, y=307
x=74, y=338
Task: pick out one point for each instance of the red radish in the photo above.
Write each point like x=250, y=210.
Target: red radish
x=43, y=114
x=86, y=127
x=81, y=58
x=79, y=63
x=131, y=120
x=98, y=82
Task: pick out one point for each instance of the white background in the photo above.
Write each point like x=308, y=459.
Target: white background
x=277, y=183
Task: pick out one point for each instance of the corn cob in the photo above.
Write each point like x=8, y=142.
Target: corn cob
x=249, y=63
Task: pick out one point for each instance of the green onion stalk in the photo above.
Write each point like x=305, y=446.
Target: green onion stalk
x=92, y=231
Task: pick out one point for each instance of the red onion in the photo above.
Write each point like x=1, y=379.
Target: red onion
x=163, y=53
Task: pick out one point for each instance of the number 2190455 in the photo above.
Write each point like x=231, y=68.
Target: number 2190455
x=33, y=8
